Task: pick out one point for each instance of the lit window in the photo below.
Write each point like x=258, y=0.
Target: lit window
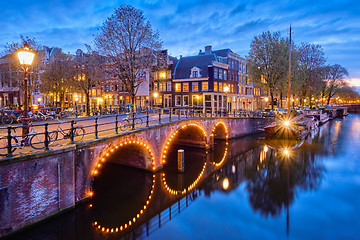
x=156, y=87
x=195, y=87
x=185, y=87
x=220, y=87
x=177, y=87
x=162, y=86
x=162, y=75
x=205, y=86
x=215, y=86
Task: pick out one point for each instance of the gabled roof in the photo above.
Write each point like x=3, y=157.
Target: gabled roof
x=222, y=52
x=185, y=64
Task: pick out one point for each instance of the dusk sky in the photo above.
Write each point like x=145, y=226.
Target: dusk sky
x=186, y=26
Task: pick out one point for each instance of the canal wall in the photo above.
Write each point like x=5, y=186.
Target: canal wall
x=34, y=187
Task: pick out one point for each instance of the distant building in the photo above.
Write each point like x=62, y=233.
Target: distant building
x=161, y=81
x=215, y=80
x=9, y=83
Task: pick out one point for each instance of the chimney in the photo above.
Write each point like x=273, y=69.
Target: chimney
x=208, y=49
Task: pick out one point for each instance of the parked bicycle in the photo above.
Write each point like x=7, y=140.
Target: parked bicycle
x=34, y=139
x=8, y=117
x=78, y=132
x=127, y=123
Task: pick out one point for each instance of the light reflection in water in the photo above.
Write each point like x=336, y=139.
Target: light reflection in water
x=273, y=185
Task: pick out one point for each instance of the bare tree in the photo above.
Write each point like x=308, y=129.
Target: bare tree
x=334, y=80
x=89, y=72
x=311, y=61
x=58, y=77
x=267, y=60
x=128, y=40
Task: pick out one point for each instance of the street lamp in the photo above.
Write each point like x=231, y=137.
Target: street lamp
x=155, y=96
x=38, y=100
x=26, y=57
x=226, y=90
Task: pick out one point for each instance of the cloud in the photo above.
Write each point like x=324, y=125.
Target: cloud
x=188, y=25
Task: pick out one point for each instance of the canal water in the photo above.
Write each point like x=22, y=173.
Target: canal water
x=247, y=188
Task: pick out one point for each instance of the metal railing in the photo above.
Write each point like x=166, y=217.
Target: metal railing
x=57, y=133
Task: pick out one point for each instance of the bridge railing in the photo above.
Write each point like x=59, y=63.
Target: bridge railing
x=58, y=133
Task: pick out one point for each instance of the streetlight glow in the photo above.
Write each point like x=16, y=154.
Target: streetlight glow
x=26, y=56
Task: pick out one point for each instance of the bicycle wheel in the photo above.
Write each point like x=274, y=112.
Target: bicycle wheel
x=138, y=122
x=4, y=145
x=125, y=125
x=37, y=140
x=53, y=136
x=79, y=133
x=7, y=119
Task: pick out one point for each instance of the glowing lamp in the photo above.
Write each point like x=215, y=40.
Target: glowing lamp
x=225, y=184
x=26, y=56
x=286, y=123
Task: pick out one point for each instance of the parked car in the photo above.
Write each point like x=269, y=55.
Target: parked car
x=269, y=112
x=281, y=111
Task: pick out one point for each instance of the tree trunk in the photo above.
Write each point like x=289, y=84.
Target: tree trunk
x=87, y=103
x=133, y=102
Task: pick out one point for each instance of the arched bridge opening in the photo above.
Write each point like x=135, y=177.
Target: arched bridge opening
x=219, y=143
x=193, y=140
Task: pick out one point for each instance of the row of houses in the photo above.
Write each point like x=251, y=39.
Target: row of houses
x=212, y=79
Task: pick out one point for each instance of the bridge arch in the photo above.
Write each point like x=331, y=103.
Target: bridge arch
x=220, y=131
x=126, y=148
x=176, y=132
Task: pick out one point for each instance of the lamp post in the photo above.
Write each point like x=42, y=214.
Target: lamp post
x=226, y=90
x=26, y=57
x=38, y=101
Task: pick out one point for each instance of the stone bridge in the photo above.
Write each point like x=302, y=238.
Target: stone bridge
x=37, y=186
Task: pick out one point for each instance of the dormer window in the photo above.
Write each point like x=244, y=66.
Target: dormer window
x=195, y=72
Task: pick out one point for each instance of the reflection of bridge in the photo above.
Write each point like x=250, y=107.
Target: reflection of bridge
x=164, y=204
x=54, y=180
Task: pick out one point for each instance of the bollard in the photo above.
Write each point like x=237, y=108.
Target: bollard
x=147, y=118
x=46, y=142
x=72, y=131
x=116, y=124
x=96, y=128
x=9, y=147
x=133, y=121
x=180, y=160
